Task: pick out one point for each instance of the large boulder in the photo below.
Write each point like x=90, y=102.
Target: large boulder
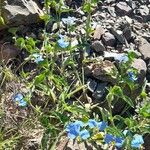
x=104, y=71
x=18, y=12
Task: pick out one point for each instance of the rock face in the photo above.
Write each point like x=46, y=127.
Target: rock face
x=18, y=12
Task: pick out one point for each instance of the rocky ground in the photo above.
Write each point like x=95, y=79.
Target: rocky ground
x=118, y=27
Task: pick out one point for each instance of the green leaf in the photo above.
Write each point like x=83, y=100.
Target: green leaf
x=2, y=22
x=130, y=122
x=132, y=55
x=40, y=78
x=63, y=118
x=128, y=100
x=87, y=7
x=110, y=97
x=13, y=30
x=145, y=111
x=114, y=131
x=20, y=42
x=116, y=90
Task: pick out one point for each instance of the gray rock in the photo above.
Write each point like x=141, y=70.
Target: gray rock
x=103, y=71
x=98, y=46
x=128, y=19
x=123, y=8
x=111, y=10
x=19, y=12
x=109, y=39
x=144, y=48
x=127, y=32
x=140, y=65
x=143, y=10
x=142, y=13
x=119, y=35
x=100, y=91
x=110, y=1
x=113, y=55
x=98, y=32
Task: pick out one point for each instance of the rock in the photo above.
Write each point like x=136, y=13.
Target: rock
x=8, y=52
x=119, y=35
x=142, y=13
x=100, y=91
x=88, y=70
x=103, y=71
x=20, y=12
x=110, y=1
x=92, y=84
x=144, y=48
x=123, y=8
x=128, y=20
x=98, y=32
x=127, y=32
x=98, y=47
x=111, y=10
x=109, y=39
x=143, y=10
x=140, y=65
x=108, y=55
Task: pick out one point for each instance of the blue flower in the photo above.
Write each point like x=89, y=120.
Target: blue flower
x=73, y=129
x=132, y=76
x=19, y=100
x=92, y=123
x=122, y=58
x=38, y=58
x=62, y=43
x=137, y=141
x=119, y=142
x=109, y=138
x=102, y=125
x=84, y=134
x=69, y=20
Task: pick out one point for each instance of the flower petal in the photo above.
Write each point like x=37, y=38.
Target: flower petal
x=119, y=142
x=92, y=123
x=84, y=134
x=71, y=136
x=18, y=97
x=109, y=138
x=22, y=103
x=102, y=125
x=137, y=141
x=62, y=43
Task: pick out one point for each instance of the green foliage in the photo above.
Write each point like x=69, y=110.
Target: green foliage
x=59, y=82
